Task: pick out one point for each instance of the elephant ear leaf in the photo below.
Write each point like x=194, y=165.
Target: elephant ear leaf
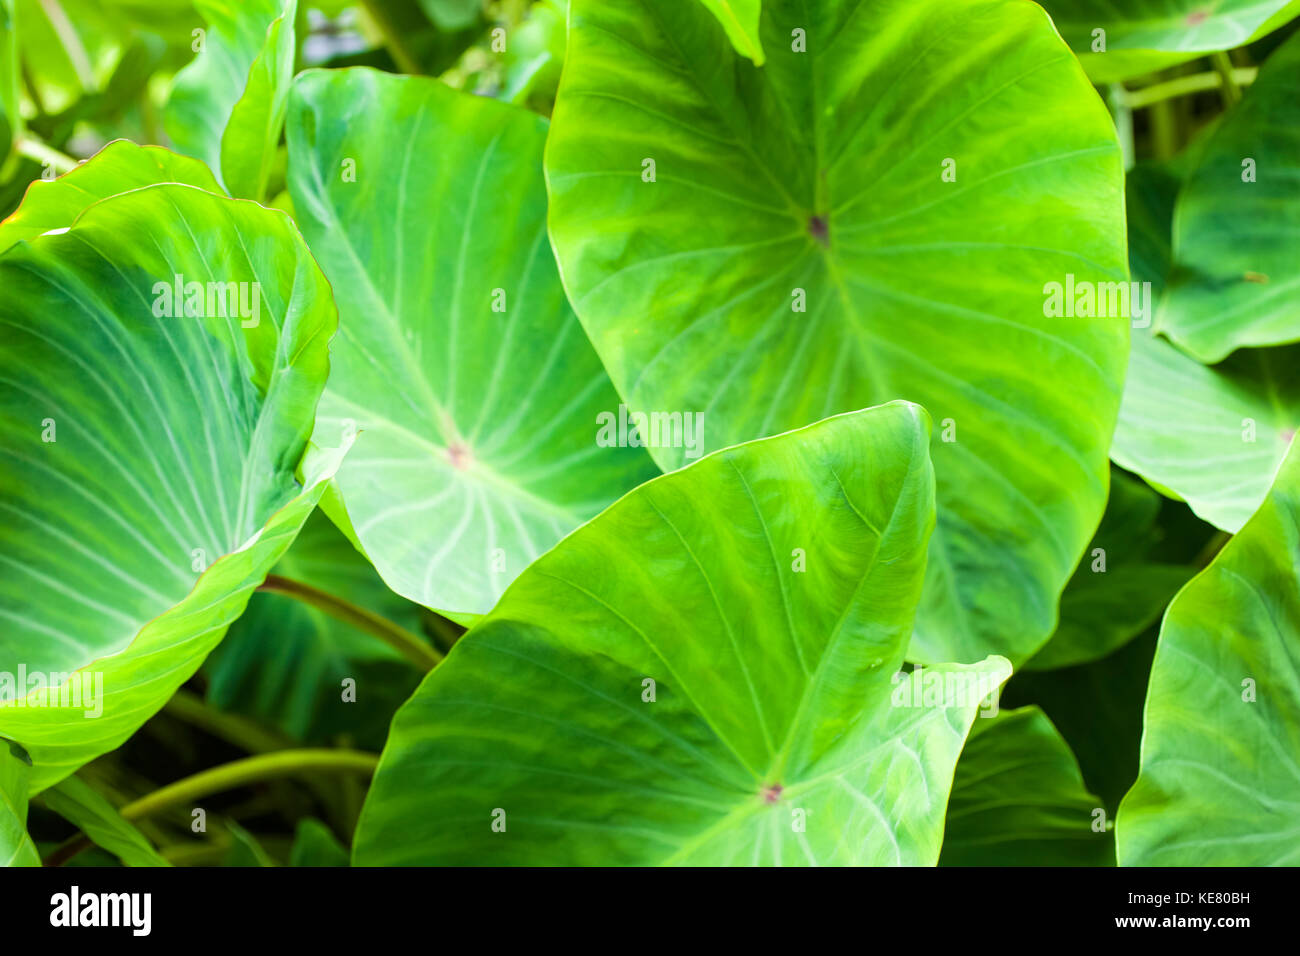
x=1018, y=799
x=227, y=107
x=462, y=367
x=164, y=356
x=1236, y=227
x=79, y=804
x=117, y=168
x=856, y=222
x=16, y=847
x=706, y=673
x=1220, y=766
x=1116, y=41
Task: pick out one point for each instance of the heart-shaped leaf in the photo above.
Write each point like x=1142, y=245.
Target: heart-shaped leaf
x=227, y=107
x=873, y=215
x=459, y=361
x=706, y=673
x=1220, y=772
x=1116, y=41
x=150, y=436
x=75, y=801
x=16, y=847
x=1018, y=799
x=1236, y=227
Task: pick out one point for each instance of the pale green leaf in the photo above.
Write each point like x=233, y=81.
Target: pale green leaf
x=460, y=364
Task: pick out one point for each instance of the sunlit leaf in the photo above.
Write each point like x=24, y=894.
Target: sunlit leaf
x=913, y=179
x=707, y=673
x=474, y=392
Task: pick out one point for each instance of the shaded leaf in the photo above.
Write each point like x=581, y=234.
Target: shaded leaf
x=1236, y=232
x=75, y=801
x=315, y=845
x=16, y=847
x=1018, y=799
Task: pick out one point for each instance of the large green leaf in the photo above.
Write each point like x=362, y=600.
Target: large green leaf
x=477, y=447
x=16, y=847
x=227, y=107
x=117, y=168
x=709, y=664
x=1220, y=777
x=1118, y=590
x=1141, y=36
x=149, y=459
x=1236, y=228
x=284, y=662
x=822, y=174
x=81, y=806
x=1018, y=799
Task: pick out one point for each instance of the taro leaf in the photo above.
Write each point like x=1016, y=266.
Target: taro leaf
x=1117, y=591
x=80, y=805
x=119, y=167
x=11, y=120
x=1213, y=436
x=283, y=662
x=1142, y=36
x=478, y=447
x=149, y=479
x=1236, y=235
x=818, y=180
x=1220, y=777
x=1018, y=799
x=227, y=107
x=16, y=847
x=739, y=18
x=693, y=676
x=315, y=845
